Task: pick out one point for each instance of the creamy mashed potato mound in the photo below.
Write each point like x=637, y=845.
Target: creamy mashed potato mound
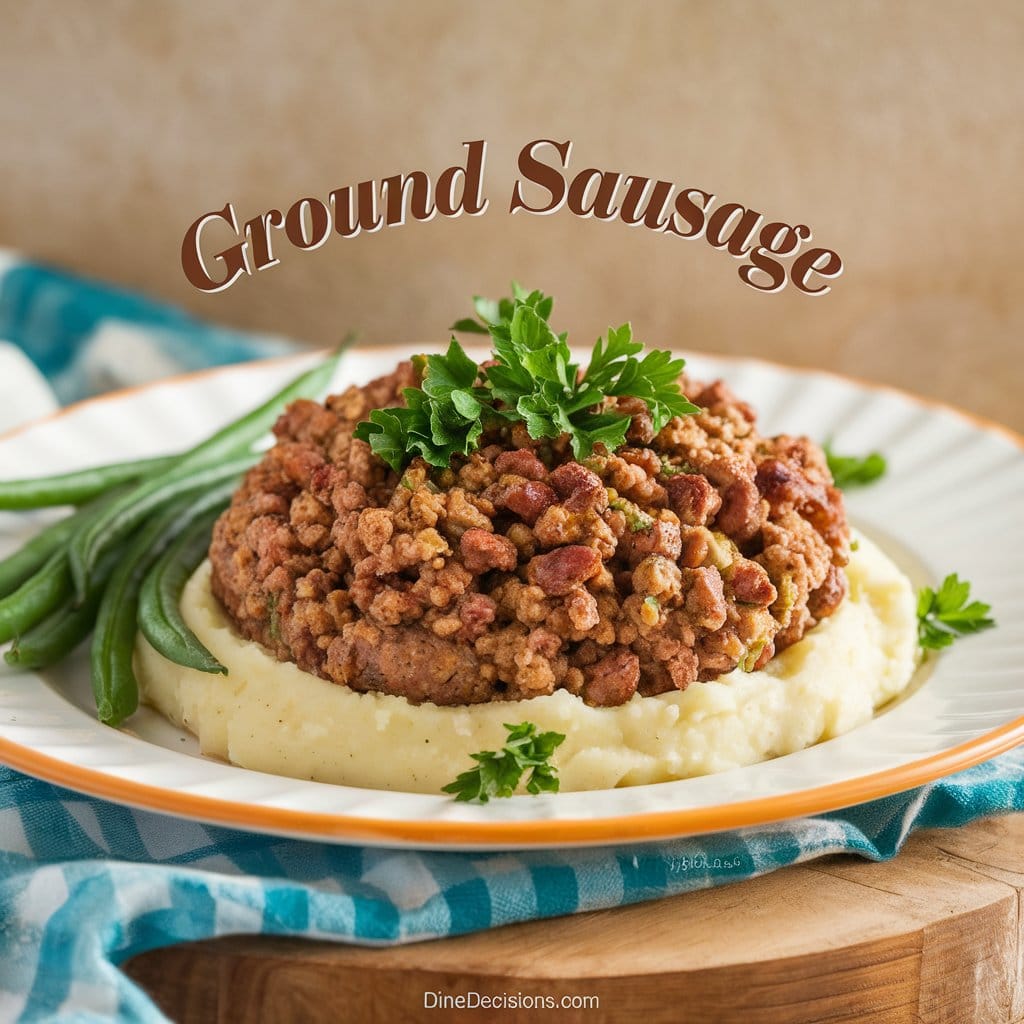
x=273, y=717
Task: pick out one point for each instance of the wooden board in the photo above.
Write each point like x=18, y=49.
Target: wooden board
x=932, y=936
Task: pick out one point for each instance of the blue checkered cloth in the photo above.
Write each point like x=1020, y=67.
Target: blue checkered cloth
x=88, y=337
x=84, y=884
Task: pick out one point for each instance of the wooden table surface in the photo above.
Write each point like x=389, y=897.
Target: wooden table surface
x=931, y=936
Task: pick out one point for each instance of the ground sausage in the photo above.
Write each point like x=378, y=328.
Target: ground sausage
x=527, y=500
x=751, y=584
x=518, y=570
x=483, y=551
x=705, y=598
x=827, y=598
x=692, y=498
x=560, y=571
x=578, y=487
x=612, y=680
x=521, y=462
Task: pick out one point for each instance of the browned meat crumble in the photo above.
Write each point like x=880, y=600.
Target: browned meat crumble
x=519, y=571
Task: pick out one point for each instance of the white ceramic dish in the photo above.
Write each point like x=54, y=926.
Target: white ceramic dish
x=953, y=499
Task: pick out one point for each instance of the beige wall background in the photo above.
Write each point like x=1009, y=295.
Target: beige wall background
x=894, y=130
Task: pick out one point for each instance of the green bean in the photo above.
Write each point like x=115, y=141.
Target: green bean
x=30, y=558
x=60, y=633
x=204, y=462
x=33, y=555
x=39, y=595
x=115, y=686
x=160, y=617
x=106, y=533
x=78, y=486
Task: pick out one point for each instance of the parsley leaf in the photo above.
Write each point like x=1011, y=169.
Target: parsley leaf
x=531, y=379
x=538, y=382
x=499, y=311
x=499, y=773
x=439, y=420
x=854, y=470
x=654, y=378
x=945, y=614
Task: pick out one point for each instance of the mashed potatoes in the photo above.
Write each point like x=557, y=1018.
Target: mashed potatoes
x=273, y=717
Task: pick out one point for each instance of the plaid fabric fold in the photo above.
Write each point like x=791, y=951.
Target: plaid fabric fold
x=88, y=337
x=84, y=884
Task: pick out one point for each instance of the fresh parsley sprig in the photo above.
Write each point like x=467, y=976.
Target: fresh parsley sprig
x=498, y=773
x=944, y=614
x=499, y=311
x=442, y=418
x=532, y=379
x=854, y=470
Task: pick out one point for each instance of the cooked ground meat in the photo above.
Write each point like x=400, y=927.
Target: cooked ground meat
x=518, y=570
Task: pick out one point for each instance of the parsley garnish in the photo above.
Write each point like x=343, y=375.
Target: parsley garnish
x=532, y=380
x=944, y=614
x=499, y=773
x=439, y=419
x=490, y=311
x=854, y=470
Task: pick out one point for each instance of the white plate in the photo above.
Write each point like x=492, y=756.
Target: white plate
x=953, y=499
